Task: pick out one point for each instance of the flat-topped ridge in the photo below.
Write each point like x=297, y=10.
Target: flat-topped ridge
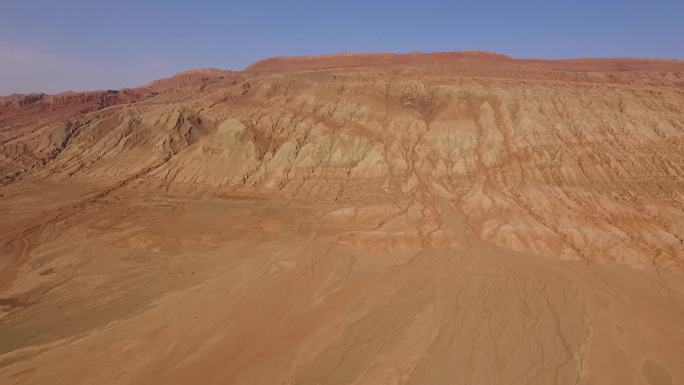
x=346, y=59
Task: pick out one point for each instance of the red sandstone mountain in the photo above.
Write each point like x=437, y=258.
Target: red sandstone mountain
x=419, y=218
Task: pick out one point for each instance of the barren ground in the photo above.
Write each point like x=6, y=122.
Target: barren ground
x=455, y=218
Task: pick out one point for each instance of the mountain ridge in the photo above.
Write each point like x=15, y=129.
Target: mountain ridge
x=461, y=218
x=624, y=63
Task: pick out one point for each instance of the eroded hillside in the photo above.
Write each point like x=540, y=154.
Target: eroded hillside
x=442, y=218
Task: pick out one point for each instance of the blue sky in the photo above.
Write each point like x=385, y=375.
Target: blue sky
x=56, y=45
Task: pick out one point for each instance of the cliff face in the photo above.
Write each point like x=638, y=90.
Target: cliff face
x=418, y=218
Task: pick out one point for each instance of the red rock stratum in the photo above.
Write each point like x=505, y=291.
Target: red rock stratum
x=447, y=218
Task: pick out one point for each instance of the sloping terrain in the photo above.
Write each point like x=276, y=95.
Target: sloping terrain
x=449, y=218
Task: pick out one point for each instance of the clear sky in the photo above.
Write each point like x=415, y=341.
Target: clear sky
x=56, y=45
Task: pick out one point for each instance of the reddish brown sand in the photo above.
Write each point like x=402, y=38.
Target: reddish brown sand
x=451, y=218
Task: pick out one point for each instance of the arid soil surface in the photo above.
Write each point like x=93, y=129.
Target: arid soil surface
x=452, y=218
